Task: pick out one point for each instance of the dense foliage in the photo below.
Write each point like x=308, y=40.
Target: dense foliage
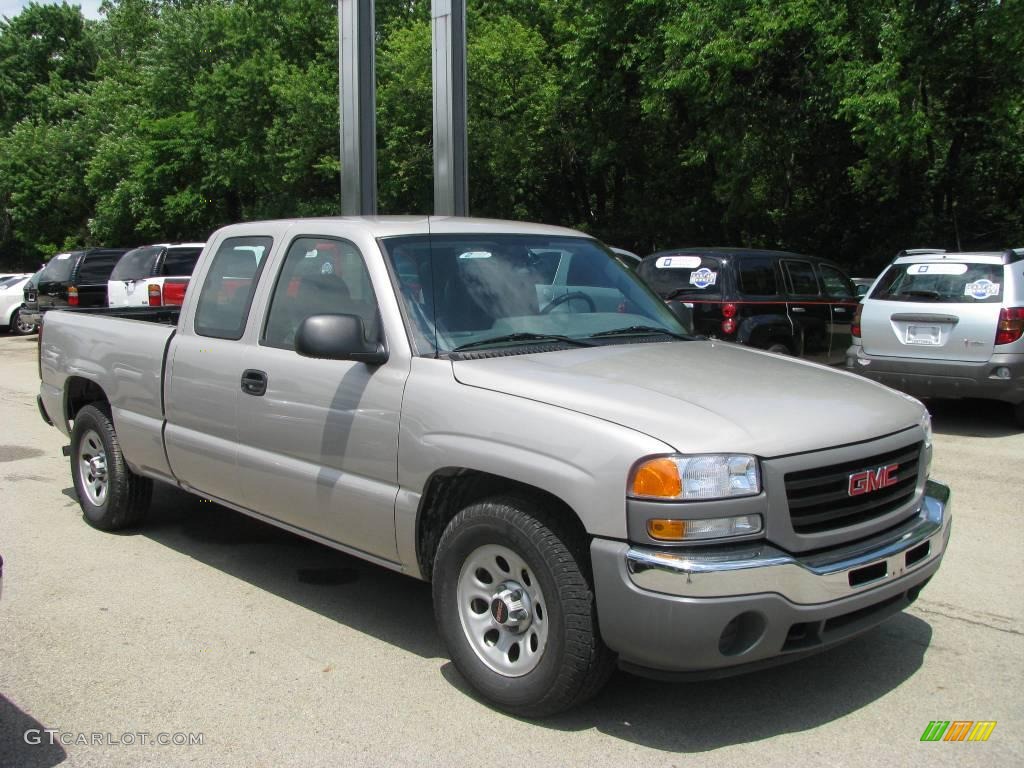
x=847, y=128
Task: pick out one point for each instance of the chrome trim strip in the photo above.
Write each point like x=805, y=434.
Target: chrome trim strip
x=806, y=580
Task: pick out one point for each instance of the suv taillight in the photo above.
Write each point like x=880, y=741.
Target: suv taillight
x=155, y=297
x=72, y=296
x=1011, y=325
x=174, y=292
x=855, y=325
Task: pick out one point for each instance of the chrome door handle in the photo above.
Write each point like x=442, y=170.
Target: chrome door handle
x=798, y=309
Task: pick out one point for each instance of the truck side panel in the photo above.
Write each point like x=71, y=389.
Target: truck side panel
x=124, y=358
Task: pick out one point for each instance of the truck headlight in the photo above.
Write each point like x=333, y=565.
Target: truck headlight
x=693, y=478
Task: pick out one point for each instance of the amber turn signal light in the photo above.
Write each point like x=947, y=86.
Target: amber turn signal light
x=666, y=530
x=658, y=478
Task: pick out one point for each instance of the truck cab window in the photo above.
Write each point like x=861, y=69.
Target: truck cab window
x=229, y=286
x=319, y=276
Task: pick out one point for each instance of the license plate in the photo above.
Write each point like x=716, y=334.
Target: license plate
x=923, y=334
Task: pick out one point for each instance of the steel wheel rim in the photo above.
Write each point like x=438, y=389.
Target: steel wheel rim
x=92, y=468
x=509, y=650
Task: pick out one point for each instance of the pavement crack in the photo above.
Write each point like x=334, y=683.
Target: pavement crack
x=956, y=614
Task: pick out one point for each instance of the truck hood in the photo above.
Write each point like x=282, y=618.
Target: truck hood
x=704, y=396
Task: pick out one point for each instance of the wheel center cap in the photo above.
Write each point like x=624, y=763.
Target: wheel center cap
x=510, y=607
x=98, y=467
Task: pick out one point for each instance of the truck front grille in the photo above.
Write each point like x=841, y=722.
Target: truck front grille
x=819, y=499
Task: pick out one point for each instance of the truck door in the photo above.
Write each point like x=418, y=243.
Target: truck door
x=205, y=368
x=808, y=309
x=319, y=438
x=842, y=297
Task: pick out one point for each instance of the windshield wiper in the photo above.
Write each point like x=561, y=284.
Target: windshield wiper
x=522, y=337
x=638, y=330
x=921, y=294
x=677, y=292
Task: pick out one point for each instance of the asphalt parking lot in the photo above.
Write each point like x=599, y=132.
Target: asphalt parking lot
x=204, y=625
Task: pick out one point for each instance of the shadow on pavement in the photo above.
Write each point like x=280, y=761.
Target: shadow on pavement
x=345, y=589
x=15, y=750
x=703, y=716
x=973, y=418
x=676, y=717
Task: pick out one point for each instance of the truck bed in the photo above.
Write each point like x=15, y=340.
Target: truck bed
x=122, y=351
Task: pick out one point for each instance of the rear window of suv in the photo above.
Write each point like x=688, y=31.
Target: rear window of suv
x=943, y=283
x=682, y=274
x=58, y=269
x=137, y=264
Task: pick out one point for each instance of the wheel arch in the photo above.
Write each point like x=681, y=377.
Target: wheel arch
x=80, y=392
x=764, y=330
x=451, y=489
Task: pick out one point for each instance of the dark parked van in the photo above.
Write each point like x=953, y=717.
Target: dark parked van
x=78, y=278
x=782, y=302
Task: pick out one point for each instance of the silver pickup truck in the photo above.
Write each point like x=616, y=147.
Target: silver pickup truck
x=581, y=482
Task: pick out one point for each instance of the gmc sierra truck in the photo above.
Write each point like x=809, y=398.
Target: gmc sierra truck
x=583, y=483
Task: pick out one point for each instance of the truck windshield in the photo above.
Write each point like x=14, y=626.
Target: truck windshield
x=480, y=291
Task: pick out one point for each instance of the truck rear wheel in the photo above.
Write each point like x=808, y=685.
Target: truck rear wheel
x=515, y=606
x=112, y=497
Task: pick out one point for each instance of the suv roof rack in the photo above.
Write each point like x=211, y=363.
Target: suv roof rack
x=1011, y=255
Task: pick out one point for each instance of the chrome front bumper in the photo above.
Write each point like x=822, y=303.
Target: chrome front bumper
x=802, y=579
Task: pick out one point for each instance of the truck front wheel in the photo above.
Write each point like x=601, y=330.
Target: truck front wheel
x=112, y=497
x=515, y=606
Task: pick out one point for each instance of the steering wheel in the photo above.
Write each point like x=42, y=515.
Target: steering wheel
x=566, y=297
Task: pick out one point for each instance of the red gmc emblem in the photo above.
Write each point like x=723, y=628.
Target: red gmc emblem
x=873, y=479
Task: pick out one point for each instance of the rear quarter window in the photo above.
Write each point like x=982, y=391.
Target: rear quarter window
x=229, y=287
x=683, y=275
x=180, y=262
x=942, y=283
x=757, y=276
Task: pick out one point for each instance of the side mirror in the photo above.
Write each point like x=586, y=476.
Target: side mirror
x=337, y=337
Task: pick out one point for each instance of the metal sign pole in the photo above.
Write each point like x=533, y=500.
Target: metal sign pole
x=451, y=169
x=358, y=100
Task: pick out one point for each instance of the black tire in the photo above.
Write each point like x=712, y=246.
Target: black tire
x=17, y=327
x=1018, y=414
x=126, y=496
x=574, y=664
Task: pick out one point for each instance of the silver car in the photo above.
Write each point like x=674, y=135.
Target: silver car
x=946, y=325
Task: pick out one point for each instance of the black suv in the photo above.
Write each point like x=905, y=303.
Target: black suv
x=77, y=279
x=782, y=302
